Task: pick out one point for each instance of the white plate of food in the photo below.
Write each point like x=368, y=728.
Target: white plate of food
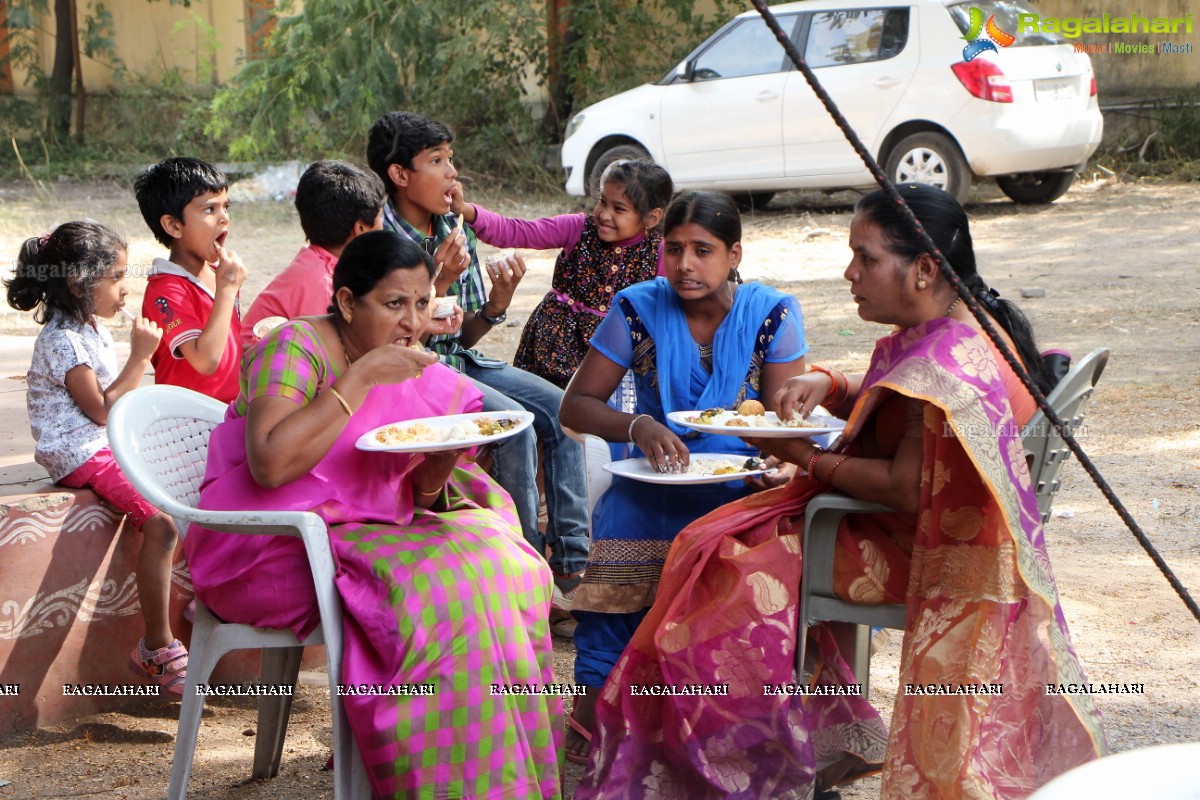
x=452, y=432
x=762, y=425
x=702, y=468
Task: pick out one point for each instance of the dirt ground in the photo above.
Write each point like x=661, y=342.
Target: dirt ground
x=1117, y=263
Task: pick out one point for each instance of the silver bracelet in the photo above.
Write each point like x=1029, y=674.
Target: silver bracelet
x=633, y=422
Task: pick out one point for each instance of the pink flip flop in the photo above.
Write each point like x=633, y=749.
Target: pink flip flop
x=576, y=726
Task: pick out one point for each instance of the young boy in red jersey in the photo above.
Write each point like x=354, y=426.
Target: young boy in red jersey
x=194, y=296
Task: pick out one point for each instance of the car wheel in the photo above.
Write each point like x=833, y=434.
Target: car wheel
x=752, y=201
x=621, y=151
x=1035, y=188
x=931, y=158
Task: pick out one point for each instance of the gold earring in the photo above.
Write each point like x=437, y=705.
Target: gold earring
x=347, y=316
x=921, y=284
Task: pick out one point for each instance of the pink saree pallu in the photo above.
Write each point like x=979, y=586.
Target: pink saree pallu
x=439, y=605
x=983, y=613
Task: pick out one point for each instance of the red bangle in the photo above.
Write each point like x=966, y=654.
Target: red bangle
x=812, y=461
x=842, y=460
x=845, y=388
x=833, y=389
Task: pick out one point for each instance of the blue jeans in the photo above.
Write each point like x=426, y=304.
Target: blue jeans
x=507, y=388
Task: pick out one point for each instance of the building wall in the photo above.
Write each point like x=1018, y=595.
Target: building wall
x=1134, y=76
x=204, y=43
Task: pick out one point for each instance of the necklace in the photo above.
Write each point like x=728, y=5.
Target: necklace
x=345, y=350
x=949, y=310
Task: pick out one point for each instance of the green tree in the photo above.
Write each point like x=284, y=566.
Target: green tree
x=609, y=47
x=333, y=68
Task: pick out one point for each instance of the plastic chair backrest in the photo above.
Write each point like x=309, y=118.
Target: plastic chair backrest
x=159, y=436
x=1044, y=446
x=597, y=452
x=167, y=429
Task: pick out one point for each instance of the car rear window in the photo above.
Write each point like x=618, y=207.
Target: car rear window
x=1006, y=12
x=855, y=36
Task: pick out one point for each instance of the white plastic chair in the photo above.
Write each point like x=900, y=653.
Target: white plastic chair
x=596, y=451
x=1044, y=447
x=159, y=436
x=1046, y=452
x=1164, y=772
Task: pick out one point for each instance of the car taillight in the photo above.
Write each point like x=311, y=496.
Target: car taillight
x=984, y=80
x=1092, y=87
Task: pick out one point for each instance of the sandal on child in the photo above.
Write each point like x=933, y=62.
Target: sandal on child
x=583, y=732
x=166, y=666
x=561, y=602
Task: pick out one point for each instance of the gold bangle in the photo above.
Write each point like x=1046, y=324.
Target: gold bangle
x=429, y=493
x=338, y=396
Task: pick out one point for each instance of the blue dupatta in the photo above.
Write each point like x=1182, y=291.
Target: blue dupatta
x=683, y=385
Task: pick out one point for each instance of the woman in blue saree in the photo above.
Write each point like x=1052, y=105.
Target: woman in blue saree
x=694, y=339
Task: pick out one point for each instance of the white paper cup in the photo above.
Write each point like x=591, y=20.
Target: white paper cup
x=443, y=307
x=499, y=261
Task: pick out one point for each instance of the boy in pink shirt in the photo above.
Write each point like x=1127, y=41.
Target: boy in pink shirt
x=194, y=296
x=337, y=201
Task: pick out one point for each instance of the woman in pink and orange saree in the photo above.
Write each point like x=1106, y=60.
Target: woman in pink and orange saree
x=438, y=585
x=933, y=431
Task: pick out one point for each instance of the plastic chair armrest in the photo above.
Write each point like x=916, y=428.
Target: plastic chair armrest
x=253, y=523
x=821, y=520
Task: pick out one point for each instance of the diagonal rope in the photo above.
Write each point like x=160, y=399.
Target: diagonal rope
x=969, y=299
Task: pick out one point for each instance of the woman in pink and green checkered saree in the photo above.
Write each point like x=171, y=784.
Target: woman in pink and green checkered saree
x=438, y=585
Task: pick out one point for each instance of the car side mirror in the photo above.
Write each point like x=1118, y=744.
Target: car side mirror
x=686, y=71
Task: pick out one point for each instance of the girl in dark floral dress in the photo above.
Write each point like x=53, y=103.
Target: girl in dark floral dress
x=615, y=246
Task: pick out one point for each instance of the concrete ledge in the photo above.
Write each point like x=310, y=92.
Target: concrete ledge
x=69, y=611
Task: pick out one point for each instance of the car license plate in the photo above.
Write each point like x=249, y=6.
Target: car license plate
x=1052, y=90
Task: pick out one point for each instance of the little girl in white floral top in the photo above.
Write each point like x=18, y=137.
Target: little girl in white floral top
x=69, y=278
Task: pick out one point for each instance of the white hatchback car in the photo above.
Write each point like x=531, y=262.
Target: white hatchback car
x=737, y=116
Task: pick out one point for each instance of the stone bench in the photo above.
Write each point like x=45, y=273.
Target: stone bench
x=69, y=611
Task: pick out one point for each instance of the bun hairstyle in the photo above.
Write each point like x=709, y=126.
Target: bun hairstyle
x=371, y=257
x=56, y=272
x=946, y=223
x=713, y=211
x=647, y=186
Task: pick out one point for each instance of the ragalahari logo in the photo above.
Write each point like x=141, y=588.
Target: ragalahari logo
x=995, y=35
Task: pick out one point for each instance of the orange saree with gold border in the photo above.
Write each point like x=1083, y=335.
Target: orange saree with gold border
x=982, y=611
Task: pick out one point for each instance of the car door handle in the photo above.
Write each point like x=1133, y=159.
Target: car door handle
x=886, y=82
x=767, y=94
